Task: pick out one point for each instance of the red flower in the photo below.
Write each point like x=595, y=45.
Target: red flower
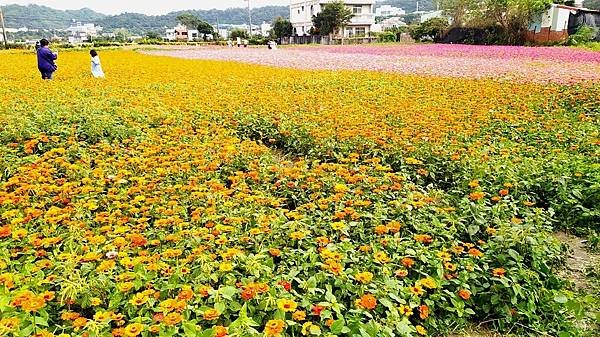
x=285, y=284
x=316, y=310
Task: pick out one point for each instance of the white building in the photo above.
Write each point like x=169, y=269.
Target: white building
x=223, y=33
x=181, y=33
x=302, y=11
x=387, y=10
x=265, y=29
x=170, y=34
x=80, y=33
x=393, y=22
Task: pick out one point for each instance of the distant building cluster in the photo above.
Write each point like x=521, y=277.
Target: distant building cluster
x=80, y=33
x=387, y=10
x=182, y=33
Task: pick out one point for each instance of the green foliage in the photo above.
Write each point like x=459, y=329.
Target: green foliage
x=189, y=20
x=193, y=22
x=592, y=4
x=205, y=29
x=432, y=29
x=258, y=40
x=35, y=16
x=122, y=35
x=153, y=36
x=512, y=16
x=585, y=34
x=238, y=32
x=387, y=36
x=282, y=27
x=333, y=17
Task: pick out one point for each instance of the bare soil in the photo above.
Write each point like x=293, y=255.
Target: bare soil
x=579, y=260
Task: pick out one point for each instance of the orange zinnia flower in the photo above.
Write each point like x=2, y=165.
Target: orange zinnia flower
x=498, y=272
x=367, y=301
x=464, y=294
x=423, y=311
x=211, y=314
x=274, y=327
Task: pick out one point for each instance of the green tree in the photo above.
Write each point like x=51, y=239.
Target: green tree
x=459, y=10
x=333, y=18
x=592, y=4
x=205, y=29
x=121, y=34
x=511, y=16
x=432, y=29
x=238, y=32
x=153, y=35
x=189, y=20
x=282, y=27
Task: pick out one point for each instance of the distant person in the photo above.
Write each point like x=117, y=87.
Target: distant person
x=272, y=45
x=239, y=41
x=45, y=59
x=245, y=43
x=229, y=43
x=96, y=66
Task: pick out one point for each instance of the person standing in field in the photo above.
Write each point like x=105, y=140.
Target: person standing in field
x=45, y=59
x=96, y=66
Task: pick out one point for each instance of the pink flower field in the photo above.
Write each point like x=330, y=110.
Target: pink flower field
x=523, y=64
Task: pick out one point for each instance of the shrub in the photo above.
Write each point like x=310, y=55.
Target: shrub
x=430, y=30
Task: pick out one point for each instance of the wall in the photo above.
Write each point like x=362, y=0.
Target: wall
x=545, y=35
x=550, y=26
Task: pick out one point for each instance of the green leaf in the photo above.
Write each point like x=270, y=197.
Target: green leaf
x=221, y=307
x=561, y=298
x=338, y=326
x=40, y=321
x=228, y=292
x=208, y=333
x=386, y=303
x=472, y=229
x=190, y=329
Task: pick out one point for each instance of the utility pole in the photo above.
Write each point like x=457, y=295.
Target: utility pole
x=3, y=28
x=249, y=18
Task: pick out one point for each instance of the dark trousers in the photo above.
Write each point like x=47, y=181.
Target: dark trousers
x=47, y=75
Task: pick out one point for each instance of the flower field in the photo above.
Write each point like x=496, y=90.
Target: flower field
x=212, y=198
x=506, y=63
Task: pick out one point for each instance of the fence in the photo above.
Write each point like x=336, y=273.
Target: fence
x=317, y=39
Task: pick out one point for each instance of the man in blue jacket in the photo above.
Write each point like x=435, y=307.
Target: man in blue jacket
x=45, y=58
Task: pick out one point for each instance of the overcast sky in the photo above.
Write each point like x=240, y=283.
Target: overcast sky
x=146, y=6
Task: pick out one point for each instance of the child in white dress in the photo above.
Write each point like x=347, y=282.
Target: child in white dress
x=96, y=66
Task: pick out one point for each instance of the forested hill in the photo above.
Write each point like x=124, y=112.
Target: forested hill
x=35, y=16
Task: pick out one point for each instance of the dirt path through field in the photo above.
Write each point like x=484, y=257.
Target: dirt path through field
x=579, y=261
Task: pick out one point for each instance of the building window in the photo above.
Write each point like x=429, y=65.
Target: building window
x=361, y=31
x=312, y=10
x=357, y=9
x=349, y=32
x=303, y=8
